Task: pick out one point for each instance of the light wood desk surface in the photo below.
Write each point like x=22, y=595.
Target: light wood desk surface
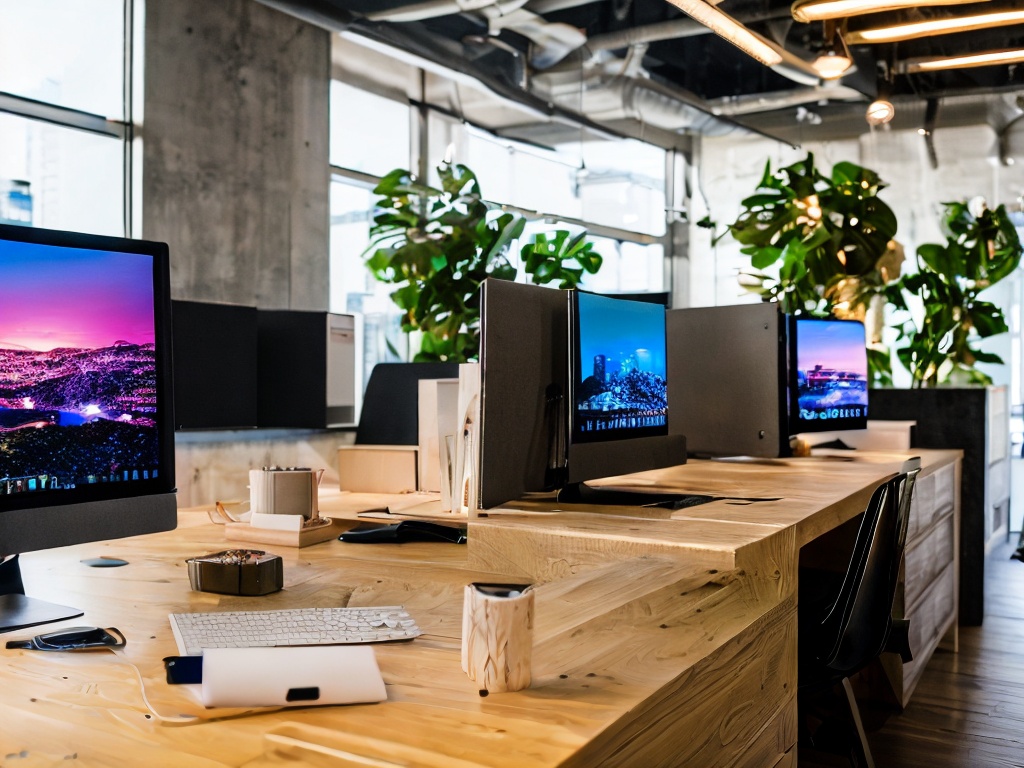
x=661, y=638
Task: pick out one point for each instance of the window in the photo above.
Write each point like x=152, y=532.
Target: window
x=369, y=133
x=61, y=178
x=616, y=189
x=69, y=53
x=63, y=114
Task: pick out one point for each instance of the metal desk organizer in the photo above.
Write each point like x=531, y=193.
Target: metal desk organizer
x=237, y=572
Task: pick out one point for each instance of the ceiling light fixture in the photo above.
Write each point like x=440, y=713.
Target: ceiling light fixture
x=895, y=33
x=986, y=59
x=819, y=10
x=880, y=112
x=834, y=61
x=729, y=29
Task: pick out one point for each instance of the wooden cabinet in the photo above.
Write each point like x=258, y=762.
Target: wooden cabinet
x=975, y=420
x=928, y=594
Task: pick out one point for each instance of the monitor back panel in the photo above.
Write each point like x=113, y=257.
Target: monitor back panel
x=523, y=354
x=726, y=379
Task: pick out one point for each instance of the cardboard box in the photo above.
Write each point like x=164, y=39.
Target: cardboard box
x=377, y=468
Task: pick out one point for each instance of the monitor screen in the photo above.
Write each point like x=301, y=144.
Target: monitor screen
x=829, y=375
x=86, y=423
x=619, y=384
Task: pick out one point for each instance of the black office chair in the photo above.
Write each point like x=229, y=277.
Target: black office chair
x=390, y=414
x=845, y=622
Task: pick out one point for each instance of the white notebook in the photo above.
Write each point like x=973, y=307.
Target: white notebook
x=291, y=676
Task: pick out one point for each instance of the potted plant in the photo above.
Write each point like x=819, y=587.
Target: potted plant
x=981, y=248
x=437, y=245
x=830, y=238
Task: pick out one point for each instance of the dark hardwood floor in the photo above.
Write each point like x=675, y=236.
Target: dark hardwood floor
x=968, y=708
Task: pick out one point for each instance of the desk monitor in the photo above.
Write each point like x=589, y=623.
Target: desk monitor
x=618, y=392
x=86, y=423
x=828, y=375
x=527, y=350
x=748, y=377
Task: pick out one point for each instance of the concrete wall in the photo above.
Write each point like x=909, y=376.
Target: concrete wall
x=235, y=159
x=235, y=179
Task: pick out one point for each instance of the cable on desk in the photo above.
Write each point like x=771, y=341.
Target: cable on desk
x=178, y=720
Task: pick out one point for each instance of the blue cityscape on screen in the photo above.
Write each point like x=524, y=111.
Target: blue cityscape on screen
x=832, y=370
x=78, y=376
x=620, y=387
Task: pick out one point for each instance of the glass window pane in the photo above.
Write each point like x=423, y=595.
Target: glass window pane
x=627, y=268
x=352, y=288
x=65, y=52
x=74, y=179
x=617, y=183
x=623, y=185
x=369, y=133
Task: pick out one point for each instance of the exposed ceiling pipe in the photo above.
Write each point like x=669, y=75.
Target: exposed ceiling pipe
x=550, y=6
x=769, y=102
x=552, y=41
x=432, y=9
x=791, y=67
x=667, y=30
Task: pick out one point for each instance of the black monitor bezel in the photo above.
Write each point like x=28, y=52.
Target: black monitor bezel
x=576, y=366
x=165, y=482
x=796, y=424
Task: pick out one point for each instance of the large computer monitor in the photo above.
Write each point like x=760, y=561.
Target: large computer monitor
x=539, y=393
x=86, y=423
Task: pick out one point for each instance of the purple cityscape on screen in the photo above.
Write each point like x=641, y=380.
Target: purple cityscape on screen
x=77, y=368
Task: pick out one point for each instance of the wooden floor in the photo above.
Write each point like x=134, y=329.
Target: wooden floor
x=968, y=709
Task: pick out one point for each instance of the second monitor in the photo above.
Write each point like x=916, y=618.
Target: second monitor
x=748, y=377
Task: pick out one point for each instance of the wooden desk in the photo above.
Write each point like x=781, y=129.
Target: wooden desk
x=664, y=639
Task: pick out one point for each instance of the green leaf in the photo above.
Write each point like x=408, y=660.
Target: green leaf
x=762, y=258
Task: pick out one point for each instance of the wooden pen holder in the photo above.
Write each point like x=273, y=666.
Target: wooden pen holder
x=497, y=635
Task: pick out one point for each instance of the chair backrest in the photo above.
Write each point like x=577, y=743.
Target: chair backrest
x=856, y=628
x=390, y=414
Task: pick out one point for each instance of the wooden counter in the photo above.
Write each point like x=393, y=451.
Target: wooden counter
x=663, y=638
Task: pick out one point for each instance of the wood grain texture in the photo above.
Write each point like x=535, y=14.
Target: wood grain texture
x=657, y=641
x=497, y=639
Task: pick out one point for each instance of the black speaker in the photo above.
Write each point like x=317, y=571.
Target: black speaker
x=214, y=365
x=307, y=376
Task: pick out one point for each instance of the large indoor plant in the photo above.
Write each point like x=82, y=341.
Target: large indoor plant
x=820, y=245
x=437, y=245
x=981, y=248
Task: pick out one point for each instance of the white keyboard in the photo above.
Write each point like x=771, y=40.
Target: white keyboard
x=300, y=626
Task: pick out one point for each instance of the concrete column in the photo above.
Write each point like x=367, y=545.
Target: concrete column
x=235, y=152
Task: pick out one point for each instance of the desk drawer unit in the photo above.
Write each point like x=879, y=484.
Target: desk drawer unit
x=928, y=593
x=927, y=557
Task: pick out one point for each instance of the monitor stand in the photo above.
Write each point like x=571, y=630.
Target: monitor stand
x=581, y=493
x=18, y=611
